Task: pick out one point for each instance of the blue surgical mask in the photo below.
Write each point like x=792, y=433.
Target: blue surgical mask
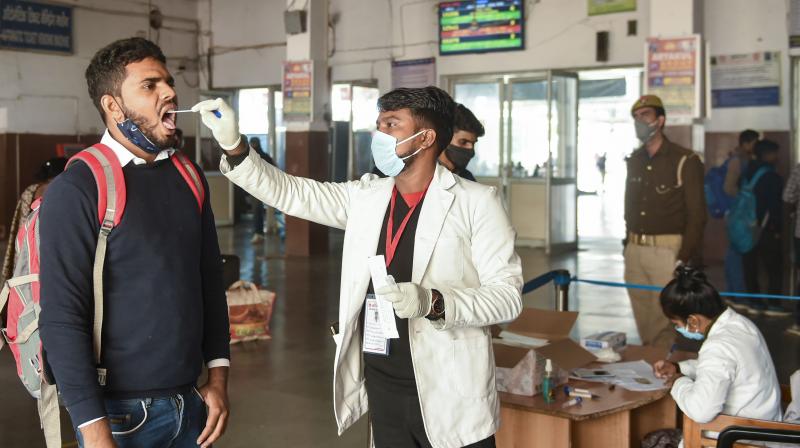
x=690, y=334
x=384, y=154
x=135, y=135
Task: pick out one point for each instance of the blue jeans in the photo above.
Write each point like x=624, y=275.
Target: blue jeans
x=258, y=217
x=169, y=422
x=734, y=271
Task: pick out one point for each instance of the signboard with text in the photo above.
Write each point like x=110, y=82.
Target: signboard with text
x=672, y=72
x=746, y=80
x=26, y=25
x=414, y=73
x=298, y=80
x=597, y=7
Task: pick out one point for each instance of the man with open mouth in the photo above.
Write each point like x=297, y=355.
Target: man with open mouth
x=165, y=314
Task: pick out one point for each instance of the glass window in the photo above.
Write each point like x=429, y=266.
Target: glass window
x=280, y=132
x=253, y=111
x=483, y=99
x=340, y=102
x=365, y=113
x=528, y=121
x=564, y=123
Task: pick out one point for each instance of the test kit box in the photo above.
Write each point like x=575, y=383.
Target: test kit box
x=607, y=339
x=523, y=348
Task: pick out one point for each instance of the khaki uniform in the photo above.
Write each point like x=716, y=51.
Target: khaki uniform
x=665, y=213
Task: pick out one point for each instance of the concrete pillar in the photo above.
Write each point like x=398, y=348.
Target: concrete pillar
x=307, y=152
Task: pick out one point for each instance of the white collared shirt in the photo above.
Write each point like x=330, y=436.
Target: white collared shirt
x=125, y=157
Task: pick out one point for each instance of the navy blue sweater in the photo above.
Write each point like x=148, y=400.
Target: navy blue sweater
x=165, y=311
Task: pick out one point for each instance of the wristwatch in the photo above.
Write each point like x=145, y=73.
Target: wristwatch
x=437, y=306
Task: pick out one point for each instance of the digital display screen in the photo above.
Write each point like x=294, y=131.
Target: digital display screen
x=479, y=26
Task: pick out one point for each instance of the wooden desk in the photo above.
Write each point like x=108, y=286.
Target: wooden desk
x=618, y=419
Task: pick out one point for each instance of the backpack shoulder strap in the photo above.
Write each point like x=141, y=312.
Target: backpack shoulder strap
x=111, y=199
x=756, y=177
x=191, y=176
x=107, y=172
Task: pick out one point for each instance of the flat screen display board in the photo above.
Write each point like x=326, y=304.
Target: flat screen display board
x=480, y=26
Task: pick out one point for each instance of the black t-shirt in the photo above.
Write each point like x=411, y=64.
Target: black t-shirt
x=396, y=371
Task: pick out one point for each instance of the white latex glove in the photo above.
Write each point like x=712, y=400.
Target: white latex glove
x=408, y=299
x=225, y=128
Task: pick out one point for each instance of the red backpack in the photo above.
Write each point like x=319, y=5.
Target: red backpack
x=21, y=291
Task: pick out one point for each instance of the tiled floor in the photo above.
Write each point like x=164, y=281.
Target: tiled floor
x=281, y=389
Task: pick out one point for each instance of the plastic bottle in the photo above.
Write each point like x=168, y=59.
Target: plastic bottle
x=548, y=383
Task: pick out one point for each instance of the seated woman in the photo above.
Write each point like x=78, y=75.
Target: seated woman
x=733, y=373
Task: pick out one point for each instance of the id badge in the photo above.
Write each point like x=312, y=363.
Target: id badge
x=375, y=343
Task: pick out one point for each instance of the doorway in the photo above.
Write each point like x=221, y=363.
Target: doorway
x=606, y=137
x=354, y=109
x=529, y=149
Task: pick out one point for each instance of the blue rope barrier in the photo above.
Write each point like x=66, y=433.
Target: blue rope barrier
x=539, y=281
x=562, y=278
x=659, y=288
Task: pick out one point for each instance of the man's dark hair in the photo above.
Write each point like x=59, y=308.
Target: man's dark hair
x=747, y=136
x=764, y=147
x=690, y=293
x=105, y=73
x=430, y=106
x=660, y=112
x=465, y=120
x=51, y=169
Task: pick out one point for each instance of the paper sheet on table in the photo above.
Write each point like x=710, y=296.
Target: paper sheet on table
x=524, y=340
x=377, y=270
x=636, y=376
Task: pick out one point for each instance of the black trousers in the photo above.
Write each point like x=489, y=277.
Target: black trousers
x=397, y=420
x=766, y=254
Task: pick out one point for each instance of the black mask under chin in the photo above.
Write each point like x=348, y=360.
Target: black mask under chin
x=459, y=156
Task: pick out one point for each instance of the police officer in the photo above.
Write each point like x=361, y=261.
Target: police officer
x=665, y=212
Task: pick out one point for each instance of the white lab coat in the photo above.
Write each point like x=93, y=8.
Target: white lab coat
x=732, y=375
x=464, y=248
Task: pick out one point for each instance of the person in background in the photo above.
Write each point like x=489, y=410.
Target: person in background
x=738, y=162
x=791, y=195
x=600, y=163
x=466, y=131
x=665, y=214
x=733, y=373
x=258, y=208
x=740, y=158
x=47, y=172
x=767, y=253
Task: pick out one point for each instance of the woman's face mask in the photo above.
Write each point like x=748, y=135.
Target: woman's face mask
x=385, y=155
x=690, y=334
x=685, y=332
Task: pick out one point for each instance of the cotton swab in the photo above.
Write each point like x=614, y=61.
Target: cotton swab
x=216, y=112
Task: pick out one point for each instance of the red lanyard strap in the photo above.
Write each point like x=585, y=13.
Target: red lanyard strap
x=392, y=242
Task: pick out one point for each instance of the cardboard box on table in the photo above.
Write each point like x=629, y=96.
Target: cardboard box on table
x=520, y=367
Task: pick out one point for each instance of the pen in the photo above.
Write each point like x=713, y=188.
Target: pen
x=573, y=402
x=575, y=392
x=671, y=351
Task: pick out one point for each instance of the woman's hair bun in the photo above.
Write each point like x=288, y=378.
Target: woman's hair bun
x=689, y=278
